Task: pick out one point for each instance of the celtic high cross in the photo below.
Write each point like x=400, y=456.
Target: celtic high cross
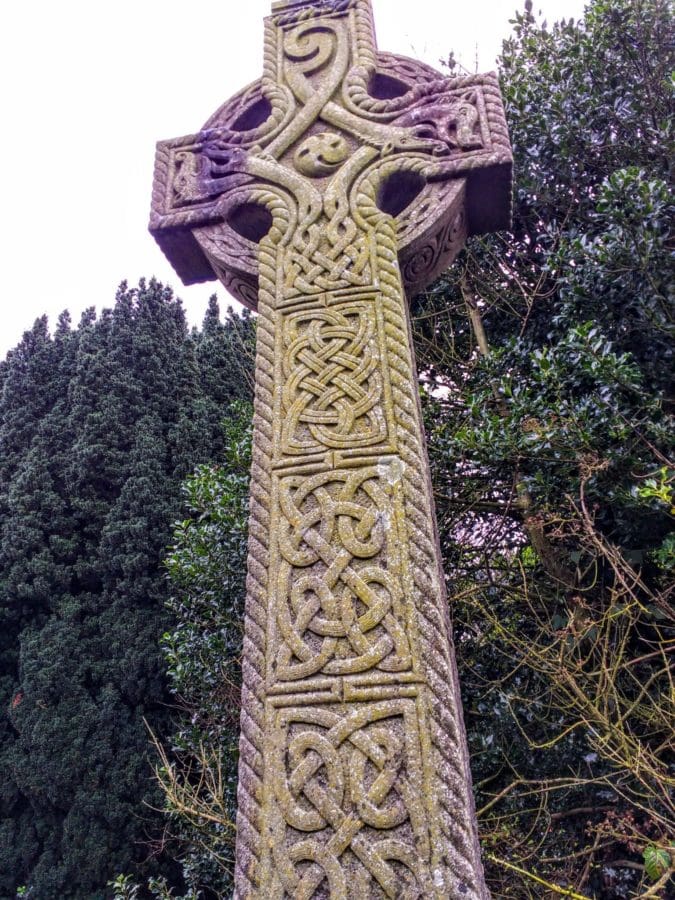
x=320, y=195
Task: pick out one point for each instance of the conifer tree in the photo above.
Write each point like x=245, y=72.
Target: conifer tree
x=95, y=437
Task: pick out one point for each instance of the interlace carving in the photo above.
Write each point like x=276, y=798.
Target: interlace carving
x=331, y=255
x=341, y=779
x=316, y=196
x=333, y=392
x=339, y=600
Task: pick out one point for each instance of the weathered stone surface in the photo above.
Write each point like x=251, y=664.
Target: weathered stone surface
x=318, y=196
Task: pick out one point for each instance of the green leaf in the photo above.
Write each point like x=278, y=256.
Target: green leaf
x=657, y=862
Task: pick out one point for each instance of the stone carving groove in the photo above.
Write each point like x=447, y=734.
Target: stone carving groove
x=337, y=582
x=333, y=391
x=317, y=195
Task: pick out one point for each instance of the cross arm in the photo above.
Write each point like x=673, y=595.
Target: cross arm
x=443, y=154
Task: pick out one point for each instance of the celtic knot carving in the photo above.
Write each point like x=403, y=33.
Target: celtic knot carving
x=331, y=256
x=317, y=194
x=339, y=600
x=333, y=392
x=342, y=778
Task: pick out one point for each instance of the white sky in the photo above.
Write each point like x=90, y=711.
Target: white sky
x=89, y=87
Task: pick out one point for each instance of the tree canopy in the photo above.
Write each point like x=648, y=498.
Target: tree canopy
x=99, y=425
x=549, y=352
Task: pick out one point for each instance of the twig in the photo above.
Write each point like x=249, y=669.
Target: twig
x=565, y=892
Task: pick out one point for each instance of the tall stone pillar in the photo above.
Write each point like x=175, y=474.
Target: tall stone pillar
x=322, y=195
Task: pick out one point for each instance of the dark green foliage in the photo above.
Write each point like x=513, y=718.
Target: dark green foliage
x=207, y=567
x=97, y=428
x=547, y=363
x=550, y=455
x=198, y=767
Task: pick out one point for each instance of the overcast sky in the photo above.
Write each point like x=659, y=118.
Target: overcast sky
x=89, y=87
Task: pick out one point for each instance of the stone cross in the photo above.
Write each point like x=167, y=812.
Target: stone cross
x=322, y=194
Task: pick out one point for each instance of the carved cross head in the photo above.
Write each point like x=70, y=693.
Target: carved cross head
x=346, y=132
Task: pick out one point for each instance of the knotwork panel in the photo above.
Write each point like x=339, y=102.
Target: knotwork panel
x=331, y=254
x=338, y=606
x=335, y=386
x=347, y=816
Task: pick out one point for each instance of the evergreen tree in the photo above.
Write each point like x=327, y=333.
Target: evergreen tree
x=90, y=484
x=549, y=353
x=33, y=380
x=207, y=567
